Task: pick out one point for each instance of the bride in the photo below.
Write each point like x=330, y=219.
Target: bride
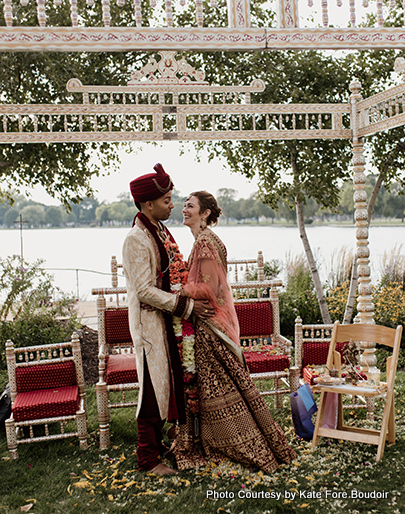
x=234, y=421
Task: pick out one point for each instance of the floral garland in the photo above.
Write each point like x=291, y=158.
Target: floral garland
x=183, y=329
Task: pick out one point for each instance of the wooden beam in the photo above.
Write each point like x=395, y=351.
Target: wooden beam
x=118, y=39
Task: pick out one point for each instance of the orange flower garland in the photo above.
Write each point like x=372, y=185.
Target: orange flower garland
x=183, y=329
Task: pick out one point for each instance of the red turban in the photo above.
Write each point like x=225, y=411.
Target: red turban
x=151, y=186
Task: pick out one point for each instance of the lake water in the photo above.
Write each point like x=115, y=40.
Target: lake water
x=79, y=258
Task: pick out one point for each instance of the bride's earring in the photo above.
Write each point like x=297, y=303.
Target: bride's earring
x=203, y=223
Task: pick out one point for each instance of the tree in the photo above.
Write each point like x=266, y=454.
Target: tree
x=259, y=209
x=54, y=215
x=85, y=211
x=34, y=215
x=63, y=169
x=225, y=198
x=10, y=217
x=289, y=171
x=102, y=214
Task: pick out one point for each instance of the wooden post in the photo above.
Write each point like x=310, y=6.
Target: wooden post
x=238, y=14
x=365, y=304
x=287, y=14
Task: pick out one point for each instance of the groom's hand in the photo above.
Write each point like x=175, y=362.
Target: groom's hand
x=202, y=309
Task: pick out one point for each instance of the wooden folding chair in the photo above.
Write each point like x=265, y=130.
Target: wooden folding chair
x=46, y=387
x=311, y=353
x=370, y=333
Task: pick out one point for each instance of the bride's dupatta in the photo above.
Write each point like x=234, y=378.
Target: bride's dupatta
x=207, y=280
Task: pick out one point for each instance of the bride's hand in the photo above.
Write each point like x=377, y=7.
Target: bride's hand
x=203, y=309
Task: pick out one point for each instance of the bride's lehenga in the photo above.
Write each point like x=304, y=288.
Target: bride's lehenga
x=234, y=421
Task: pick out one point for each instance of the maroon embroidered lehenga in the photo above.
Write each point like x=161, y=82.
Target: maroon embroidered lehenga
x=234, y=421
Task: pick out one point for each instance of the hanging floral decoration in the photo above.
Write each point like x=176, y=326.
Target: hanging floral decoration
x=183, y=329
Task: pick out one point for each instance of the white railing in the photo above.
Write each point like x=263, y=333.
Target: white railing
x=290, y=13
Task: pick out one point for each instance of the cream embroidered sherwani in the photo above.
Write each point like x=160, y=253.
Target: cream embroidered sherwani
x=141, y=262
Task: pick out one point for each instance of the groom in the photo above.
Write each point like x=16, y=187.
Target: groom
x=151, y=307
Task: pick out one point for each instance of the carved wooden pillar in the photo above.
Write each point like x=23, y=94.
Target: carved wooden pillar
x=238, y=13
x=287, y=14
x=365, y=304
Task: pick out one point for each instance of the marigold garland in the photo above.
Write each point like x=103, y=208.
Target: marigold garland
x=183, y=329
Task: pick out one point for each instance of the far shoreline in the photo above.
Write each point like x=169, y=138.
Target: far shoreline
x=284, y=224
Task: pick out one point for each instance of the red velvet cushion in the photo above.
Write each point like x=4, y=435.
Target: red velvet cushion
x=317, y=353
x=45, y=376
x=261, y=363
x=46, y=403
x=254, y=318
x=308, y=376
x=121, y=369
x=117, y=326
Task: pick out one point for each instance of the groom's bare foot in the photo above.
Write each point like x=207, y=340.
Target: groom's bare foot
x=162, y=469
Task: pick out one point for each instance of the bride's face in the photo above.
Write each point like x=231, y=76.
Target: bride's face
x=191, y=212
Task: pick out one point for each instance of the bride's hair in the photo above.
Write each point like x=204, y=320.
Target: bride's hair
x=208, y=201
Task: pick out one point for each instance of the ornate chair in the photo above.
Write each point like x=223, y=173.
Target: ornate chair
x=385, y=391
x=117, y=363
x=246, y=267
x=46, y=387
x=311, y=348
x=267, y=352
x=312, y=344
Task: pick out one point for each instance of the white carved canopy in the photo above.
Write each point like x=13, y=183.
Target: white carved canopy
x=240, y=34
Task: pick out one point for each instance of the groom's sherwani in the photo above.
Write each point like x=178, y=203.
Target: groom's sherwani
x=142, y=262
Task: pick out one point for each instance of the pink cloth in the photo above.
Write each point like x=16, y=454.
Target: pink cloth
x=207, y=280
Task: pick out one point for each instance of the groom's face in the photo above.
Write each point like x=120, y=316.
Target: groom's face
x=161, y=208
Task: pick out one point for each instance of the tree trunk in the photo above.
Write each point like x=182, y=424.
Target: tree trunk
x=312, y=264
x=354, y=278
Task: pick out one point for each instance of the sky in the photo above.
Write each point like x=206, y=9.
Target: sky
x=187, y=174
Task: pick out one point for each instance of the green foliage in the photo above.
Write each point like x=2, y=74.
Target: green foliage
x=33, y=310
x=272, y=268
x=337, y=298
x=63, y=169
x=389, y=304
x=299, y=298
x=35, y=214
x=389, y=310
x=24, y=286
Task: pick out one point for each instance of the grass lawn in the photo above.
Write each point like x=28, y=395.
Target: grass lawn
x=337, y=476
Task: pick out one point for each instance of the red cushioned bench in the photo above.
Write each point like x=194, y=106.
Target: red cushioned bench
x=117, y=362
x=267, y=352
x=46, y=387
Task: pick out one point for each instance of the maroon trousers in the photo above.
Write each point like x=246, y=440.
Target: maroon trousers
x=150, y=425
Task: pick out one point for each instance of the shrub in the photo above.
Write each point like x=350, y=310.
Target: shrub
x=389, y=304
x=299, y=297
x=389, y=310
x=336, y=299
x=34, y=310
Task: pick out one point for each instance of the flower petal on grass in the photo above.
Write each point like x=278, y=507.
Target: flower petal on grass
x=83, y=484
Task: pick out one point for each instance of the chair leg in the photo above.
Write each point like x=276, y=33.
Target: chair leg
x=11, y=435
x=370, y=408
x=278, y=400
x=294, y=379
x=81, y=419
x=388, y=412
x=103, y=414
x=319, y=417
x=391, y=423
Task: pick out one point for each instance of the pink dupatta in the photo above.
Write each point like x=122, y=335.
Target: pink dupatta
x=207, y=279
